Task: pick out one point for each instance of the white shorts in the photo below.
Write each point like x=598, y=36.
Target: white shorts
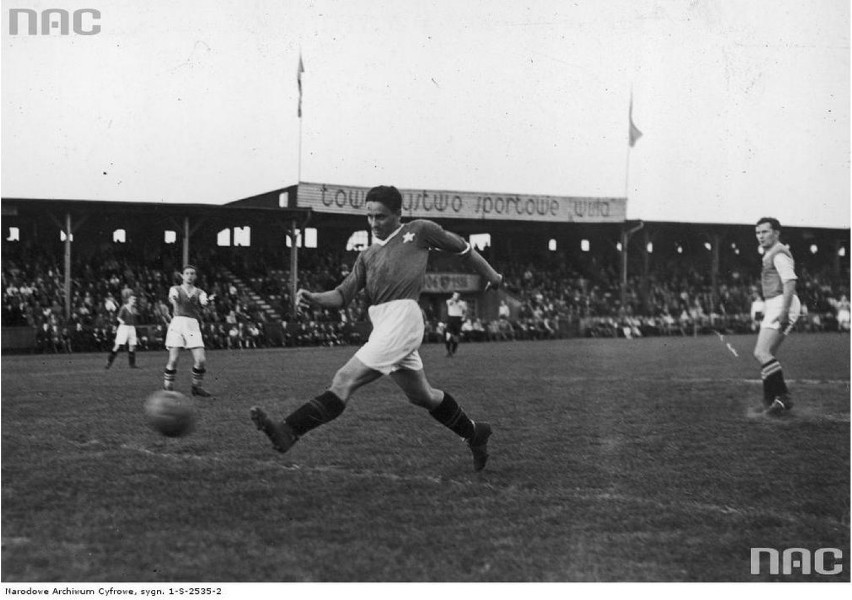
x=184, y=332
x=396, y=336
x=773, y=311
x=126, y=334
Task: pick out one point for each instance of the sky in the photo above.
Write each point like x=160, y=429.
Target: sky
x=743, y=105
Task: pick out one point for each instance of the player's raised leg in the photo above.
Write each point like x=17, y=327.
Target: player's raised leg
x=322, y=409
x=446, y=410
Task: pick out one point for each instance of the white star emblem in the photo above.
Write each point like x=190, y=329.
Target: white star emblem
x=407, y=237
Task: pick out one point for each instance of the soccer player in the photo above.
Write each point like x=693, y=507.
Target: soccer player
x=843, y=313
x=126, y=333
x=185, y=332
x=781, y=310
x=391, y=271
x=456, y=312
x=504, y=312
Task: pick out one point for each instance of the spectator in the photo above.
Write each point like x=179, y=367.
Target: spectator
x=503, y=312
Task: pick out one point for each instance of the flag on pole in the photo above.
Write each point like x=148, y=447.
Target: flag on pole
x=633, y=133
x=299, y=72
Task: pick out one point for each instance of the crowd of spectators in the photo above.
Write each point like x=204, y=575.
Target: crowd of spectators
x=34, y=296
x=552, y=298
x=677, y=298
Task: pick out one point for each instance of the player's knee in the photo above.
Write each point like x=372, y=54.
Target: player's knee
x=419, y=399
x=342, y=385
x=762, y=356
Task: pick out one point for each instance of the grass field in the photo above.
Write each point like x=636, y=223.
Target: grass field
x=612, y=460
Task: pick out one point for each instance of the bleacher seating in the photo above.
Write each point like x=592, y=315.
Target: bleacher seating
x=251, y=308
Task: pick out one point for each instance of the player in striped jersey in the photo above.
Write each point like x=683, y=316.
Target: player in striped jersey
x=782, y=309
x=126, y=333
x=391, y=271
x=184, y=330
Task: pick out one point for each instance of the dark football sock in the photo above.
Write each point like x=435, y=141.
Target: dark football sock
x=169, y=377
x=773, y=380
x=131, y=358
x=198, y=376
x=111, y=357
x=322, y=409
x=449, y=414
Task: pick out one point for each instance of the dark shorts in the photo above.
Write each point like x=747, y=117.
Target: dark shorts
x=454, y=325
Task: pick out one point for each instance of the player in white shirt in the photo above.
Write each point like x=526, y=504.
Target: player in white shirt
x=391, y=271
x=782, y=309
x=456, y=312
x=843, y=313
x=184, y=330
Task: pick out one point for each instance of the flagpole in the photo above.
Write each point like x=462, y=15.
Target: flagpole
x=627, y=174
x=629, y=146
x=299, y=162
x=299, y=71
x=633, y=134
x=294, y=235
x=625, y=235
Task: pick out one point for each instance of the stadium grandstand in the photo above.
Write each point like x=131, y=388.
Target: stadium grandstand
x=573, y=267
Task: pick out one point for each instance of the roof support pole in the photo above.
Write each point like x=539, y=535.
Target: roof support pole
x=185, y=242
x=293, y=232
x=68, y=235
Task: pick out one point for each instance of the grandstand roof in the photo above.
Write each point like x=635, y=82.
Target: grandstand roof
x=20, y=206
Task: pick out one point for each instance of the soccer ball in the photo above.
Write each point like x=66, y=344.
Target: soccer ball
x=170, y=413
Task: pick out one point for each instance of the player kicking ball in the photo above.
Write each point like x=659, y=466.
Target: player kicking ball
x=782, y=309
x=391, y=271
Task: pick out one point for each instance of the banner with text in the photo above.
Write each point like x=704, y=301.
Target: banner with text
x=447, y=283
x=433, y=204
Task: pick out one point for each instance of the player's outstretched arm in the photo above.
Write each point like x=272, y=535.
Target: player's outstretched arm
x=492, y=278
x=330, y=299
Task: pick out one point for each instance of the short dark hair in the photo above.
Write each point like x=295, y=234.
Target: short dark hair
x=193, y=267
x=387, y=195
x=773, y=223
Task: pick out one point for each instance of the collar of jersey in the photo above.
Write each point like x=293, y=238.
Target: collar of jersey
x=389, y=238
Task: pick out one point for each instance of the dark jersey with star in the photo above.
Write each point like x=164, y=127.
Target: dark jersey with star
x=394, y=268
